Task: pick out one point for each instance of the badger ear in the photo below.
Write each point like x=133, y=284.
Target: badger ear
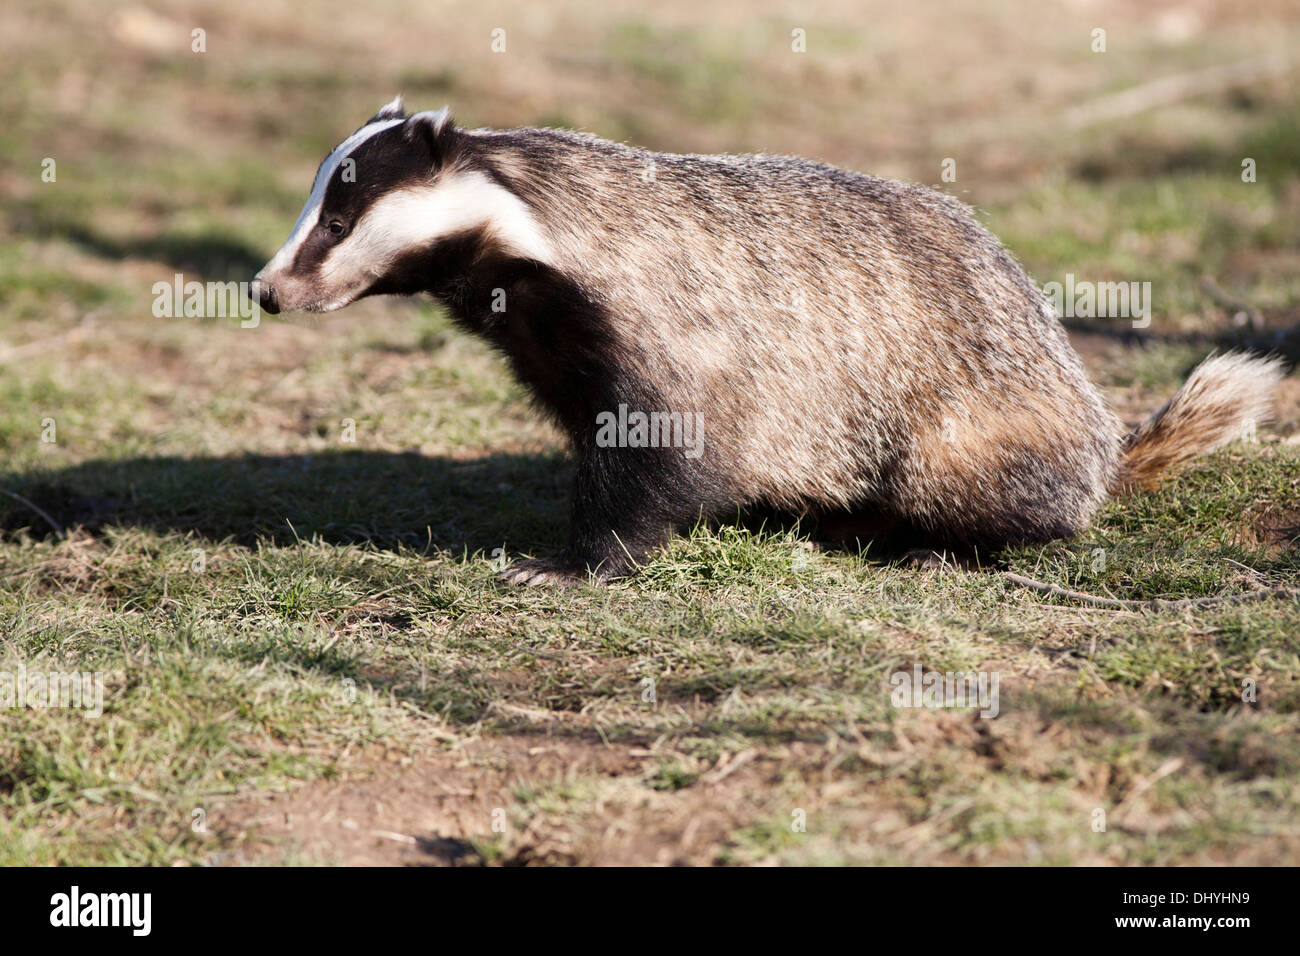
x=435, y=130
x=390, y=110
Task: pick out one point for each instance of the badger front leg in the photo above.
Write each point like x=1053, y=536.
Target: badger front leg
x=626, y=503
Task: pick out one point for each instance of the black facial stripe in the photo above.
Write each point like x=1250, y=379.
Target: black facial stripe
x=313, y=251
x=388, y=161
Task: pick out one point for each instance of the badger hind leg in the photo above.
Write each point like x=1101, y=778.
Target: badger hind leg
x=859, y=529
x=1007, y=510
x=888, y=537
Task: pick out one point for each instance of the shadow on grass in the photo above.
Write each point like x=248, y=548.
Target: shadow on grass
x=383, y=499
x=209, y=255
x=1282, y=340
x=1135, y=155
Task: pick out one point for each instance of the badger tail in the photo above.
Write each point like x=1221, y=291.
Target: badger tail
x=1225, y=396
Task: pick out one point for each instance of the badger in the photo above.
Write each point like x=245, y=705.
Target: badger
x=850, y=350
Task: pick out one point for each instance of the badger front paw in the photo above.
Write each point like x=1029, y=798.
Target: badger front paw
x=553, y=572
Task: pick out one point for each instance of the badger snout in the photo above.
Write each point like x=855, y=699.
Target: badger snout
x=263, y=293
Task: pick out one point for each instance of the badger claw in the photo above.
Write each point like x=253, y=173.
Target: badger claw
x=536, y=572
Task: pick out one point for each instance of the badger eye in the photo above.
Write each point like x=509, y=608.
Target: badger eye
x=336, y=227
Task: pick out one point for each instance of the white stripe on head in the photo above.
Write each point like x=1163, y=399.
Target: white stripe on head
x=407, y=219
x=311, y=211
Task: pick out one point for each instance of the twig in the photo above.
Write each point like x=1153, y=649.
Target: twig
x=58, y=528
x=724, y=770
x=1157, y=604
x=1144, y=784
x=75, y=334
x=1181, y=86
x=1228, y=301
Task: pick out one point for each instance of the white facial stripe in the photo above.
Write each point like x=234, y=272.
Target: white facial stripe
x=311, y=211
x=408, y=218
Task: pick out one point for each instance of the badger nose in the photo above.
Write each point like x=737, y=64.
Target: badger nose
x=263, y=293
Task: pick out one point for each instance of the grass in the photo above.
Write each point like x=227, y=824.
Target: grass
x=275, y=609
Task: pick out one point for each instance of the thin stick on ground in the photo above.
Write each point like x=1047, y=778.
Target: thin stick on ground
x=1231, y=302
x=1155, y=604
x=1181, y=86
x=58, y=528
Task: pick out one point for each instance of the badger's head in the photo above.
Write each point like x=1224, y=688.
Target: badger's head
x=383, y=202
